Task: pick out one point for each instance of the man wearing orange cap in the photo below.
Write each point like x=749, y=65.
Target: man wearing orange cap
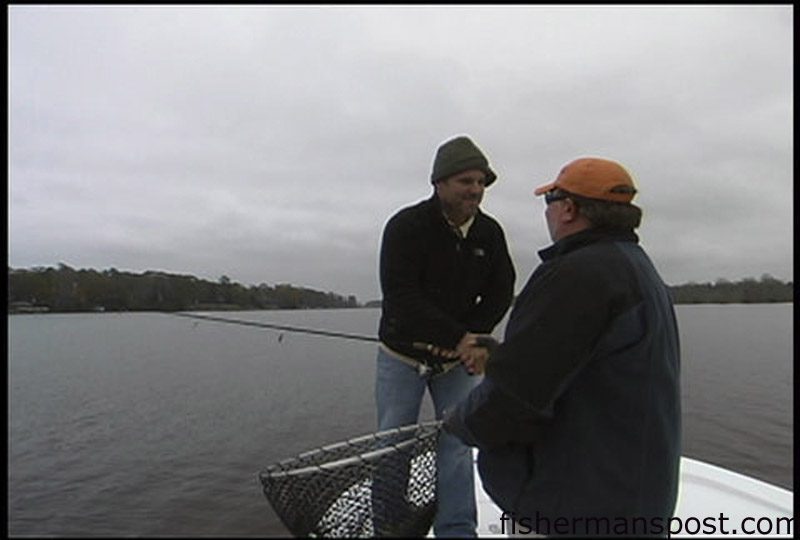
x=578, y=417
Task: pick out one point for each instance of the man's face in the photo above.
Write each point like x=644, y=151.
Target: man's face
x=551, y=216
x=462, y=193
x=558, y=207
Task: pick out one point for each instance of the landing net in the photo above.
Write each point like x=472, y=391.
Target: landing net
x=382, y=484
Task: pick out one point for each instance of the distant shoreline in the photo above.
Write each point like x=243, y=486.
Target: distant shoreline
x=45, y=311
x=66, y=290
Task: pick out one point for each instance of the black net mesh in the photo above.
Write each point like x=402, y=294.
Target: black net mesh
x=383, y=484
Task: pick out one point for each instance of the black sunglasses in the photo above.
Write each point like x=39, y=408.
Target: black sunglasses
x=554, y=195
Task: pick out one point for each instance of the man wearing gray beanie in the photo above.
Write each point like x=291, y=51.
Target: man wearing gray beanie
x=446, y=277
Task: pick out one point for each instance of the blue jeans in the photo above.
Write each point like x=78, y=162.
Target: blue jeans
x=399, y=390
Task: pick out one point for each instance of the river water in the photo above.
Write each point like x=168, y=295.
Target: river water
x=146, y=424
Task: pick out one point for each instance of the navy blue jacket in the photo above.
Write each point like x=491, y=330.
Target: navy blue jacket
x=578, y=415
x=436, y=285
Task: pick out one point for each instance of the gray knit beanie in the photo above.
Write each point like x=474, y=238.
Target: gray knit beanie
x=457, y=155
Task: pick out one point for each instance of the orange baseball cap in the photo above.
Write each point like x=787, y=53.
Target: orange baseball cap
x=595, y=178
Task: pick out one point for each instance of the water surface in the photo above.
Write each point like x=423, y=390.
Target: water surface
x=145, y=424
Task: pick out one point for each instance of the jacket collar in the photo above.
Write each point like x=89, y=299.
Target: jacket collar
x=437, y=213
x=584, y=238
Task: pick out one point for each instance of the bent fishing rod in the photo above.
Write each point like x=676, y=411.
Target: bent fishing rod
x=483, y=340
x=416, y=344
x=276, y=326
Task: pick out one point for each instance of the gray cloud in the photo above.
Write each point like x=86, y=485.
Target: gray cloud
x=270, y=144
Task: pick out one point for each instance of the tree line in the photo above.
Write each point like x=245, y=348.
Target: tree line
x=65, y=289
x=746, y=291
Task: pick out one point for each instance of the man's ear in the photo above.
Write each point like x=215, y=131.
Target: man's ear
x=570, y=210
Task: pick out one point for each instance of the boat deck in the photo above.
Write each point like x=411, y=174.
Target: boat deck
x=712, y=501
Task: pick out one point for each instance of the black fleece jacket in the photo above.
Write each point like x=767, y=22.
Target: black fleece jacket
x=436, y=285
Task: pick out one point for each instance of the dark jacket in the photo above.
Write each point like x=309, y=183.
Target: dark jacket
x=579, y=413
x=437, y=286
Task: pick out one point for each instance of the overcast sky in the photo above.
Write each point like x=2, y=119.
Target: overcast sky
x=270, y=144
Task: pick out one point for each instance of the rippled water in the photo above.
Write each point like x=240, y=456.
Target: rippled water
x=144, y=424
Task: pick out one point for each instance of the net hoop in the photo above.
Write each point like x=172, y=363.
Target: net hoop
x=285, y=467
x=378, y=484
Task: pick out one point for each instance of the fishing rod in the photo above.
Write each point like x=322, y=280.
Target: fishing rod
x=283, y=327
x=482, y=340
